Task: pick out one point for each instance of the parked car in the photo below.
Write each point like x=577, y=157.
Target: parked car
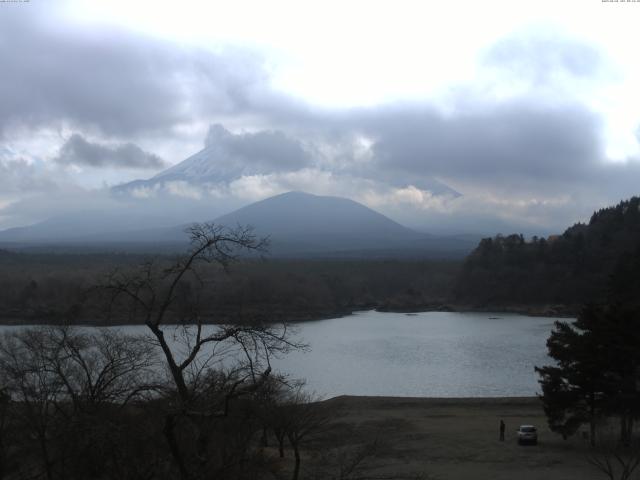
x=527, y=434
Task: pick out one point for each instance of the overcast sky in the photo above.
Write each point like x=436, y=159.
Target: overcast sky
x=447, y=116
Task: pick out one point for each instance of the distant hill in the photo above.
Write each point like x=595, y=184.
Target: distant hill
x=309, y=222
x=298, y=225
x=571, y=268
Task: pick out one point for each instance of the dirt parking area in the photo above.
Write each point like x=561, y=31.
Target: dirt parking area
x=451, y=439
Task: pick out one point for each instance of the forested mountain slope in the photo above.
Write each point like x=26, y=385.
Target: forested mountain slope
x=567, y=269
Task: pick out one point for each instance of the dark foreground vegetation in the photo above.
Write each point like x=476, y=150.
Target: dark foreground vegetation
x=595, y=379
x=185, y=401
x=597, y=374
x=104, y=405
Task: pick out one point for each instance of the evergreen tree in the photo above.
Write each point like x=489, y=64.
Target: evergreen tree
x=598, y=360
x=573, y=392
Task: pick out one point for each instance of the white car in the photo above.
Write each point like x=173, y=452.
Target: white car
x=527, y=434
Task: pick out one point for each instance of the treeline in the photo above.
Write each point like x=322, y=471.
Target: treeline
x=60, y=288
x=52, y=288
x=567, y=269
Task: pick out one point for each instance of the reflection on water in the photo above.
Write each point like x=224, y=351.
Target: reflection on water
x=433, y=354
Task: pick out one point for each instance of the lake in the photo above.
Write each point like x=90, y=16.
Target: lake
x=431, y=354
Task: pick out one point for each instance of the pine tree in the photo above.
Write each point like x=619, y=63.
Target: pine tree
x=597, y=371
x=573, y=392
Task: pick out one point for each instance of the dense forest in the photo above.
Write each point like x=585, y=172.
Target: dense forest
x=565, y=270
x=56, y=288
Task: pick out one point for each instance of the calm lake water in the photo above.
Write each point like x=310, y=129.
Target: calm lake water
x=433, y=354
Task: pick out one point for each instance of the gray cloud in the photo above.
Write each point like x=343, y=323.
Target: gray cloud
x=78, y=151
x=113, y=80
x=263, y=152
x=20, y=176
x=515, y=140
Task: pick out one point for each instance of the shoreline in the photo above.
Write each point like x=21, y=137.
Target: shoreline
x=560, y=311
x=553, y=311
x=435, y=400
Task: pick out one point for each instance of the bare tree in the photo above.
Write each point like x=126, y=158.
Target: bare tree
x=104, y=367
x=268, y=398
x=302, y=418
x=34, y=388
x=346, y=463
x=60, y=383
x=616, y=460
x=209, y=364
x=5, y=402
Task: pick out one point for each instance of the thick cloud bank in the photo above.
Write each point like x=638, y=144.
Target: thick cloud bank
x=111, y=80
x=78, y=151
x=516, y=148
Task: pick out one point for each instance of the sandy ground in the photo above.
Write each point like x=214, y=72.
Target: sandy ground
x=451, y=439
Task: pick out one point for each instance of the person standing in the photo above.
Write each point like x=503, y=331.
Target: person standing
x=502, y=427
